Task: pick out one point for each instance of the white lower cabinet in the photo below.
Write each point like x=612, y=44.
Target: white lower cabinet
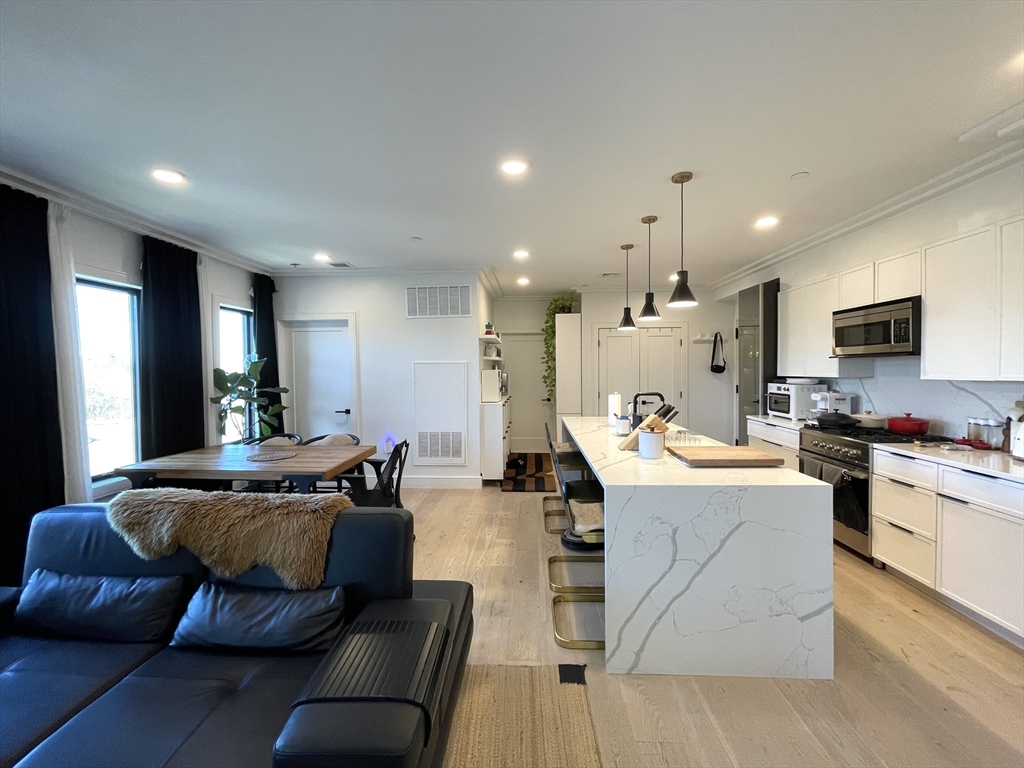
x=981, y=561
x=787, y=454
x=495, y=434
x=904, y=550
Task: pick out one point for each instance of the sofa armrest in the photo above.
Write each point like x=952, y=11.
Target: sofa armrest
x=9, y=597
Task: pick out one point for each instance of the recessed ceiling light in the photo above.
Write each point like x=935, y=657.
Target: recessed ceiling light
x=513, y=167
x=800, y=175
x=321, y=256
x=766, y=222
x=167, y=176
x=521, y=254
x=673, y=277
x=523, y=281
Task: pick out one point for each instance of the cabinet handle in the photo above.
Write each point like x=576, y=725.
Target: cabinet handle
x=899, y=527
x=900, y=482
x=979, y=474
x=950, y=498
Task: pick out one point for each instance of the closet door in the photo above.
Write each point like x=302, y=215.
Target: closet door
x=660, y=369
x=618, y=366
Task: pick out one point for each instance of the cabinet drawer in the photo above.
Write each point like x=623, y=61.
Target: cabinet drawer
x=903, y=550
x=993, y=492
x=775, y=434
x=904, y=505
x=788, y=455
x=923, y=474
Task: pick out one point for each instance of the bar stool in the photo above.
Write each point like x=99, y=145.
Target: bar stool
x=566, y=460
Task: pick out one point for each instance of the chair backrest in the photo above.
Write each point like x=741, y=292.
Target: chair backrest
x=283, y=439
x=391, y=473
x=333, y=439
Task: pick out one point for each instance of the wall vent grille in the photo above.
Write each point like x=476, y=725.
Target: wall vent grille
x=343, y=264
x=439, y=445
x=438, y=301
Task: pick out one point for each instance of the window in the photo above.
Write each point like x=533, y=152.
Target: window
x=236, y=341
x=108, y=336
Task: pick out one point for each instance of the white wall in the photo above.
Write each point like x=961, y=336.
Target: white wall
x=710, y=396
x=388, y=343
x=897, y=386
x=524, y=315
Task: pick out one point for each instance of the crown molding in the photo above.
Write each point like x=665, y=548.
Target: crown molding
x=90, y=206
x=994, y=160
x=490, y=280
x=399, y=273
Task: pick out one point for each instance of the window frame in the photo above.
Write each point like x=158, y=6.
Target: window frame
x=248, y=348
x=136, y=296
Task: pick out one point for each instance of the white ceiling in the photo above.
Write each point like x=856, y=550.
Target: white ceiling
x=350, y=127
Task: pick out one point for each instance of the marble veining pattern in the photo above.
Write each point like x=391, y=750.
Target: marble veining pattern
x=718, y=572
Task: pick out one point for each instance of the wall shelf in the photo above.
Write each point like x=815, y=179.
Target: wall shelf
x=493, y=359
x=491, y=339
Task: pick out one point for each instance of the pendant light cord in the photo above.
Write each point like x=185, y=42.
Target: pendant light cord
x=648, y=257
x=627, y=277
x=682, y=239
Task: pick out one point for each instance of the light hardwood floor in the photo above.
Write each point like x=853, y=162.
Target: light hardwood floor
x=916, y=684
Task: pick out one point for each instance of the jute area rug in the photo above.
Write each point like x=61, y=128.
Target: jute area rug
x=530, y=472
x=522, y=717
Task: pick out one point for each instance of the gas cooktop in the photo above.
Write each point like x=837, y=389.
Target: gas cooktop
x=875, y=435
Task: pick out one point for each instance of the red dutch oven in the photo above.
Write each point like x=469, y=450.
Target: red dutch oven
x=908, y=425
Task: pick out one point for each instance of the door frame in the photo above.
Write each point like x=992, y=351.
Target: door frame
x=538, y=444
x=286, y=361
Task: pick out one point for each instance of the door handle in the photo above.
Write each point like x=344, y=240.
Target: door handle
x=545, y=399
x=347, y=410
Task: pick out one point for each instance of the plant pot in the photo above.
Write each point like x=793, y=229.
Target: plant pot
x=908, y=425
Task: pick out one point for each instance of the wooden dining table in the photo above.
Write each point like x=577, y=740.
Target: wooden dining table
x=309, y=465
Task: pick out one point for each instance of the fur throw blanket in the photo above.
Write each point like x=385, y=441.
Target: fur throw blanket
x=231, y=533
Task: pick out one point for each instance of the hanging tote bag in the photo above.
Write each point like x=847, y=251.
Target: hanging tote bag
x=718, y=347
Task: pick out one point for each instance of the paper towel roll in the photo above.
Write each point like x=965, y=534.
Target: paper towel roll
x=614, y=407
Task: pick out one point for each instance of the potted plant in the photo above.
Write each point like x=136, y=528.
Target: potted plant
x=567, y=303
x=239, y=391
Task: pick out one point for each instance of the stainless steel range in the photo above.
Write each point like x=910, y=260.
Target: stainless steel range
x=842, y=457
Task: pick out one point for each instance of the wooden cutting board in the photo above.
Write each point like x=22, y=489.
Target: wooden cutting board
x=724, y=456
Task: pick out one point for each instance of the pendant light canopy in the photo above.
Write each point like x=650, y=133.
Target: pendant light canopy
x=682, y=296
x=627, y=323
x=649, y=312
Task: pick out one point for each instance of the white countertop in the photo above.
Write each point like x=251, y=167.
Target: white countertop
x=994, y=463
x=600, y=446
x=777, y=421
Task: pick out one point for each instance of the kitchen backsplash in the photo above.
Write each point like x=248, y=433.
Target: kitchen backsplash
x=897, y=388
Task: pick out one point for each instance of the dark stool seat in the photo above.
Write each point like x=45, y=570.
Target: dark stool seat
x=584, y=490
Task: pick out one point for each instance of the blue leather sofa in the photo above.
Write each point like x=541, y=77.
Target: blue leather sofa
x=73, y=702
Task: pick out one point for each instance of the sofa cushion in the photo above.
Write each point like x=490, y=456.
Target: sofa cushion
x=125, y=609
x=44, y=681
x=181, y=708
x=226, y=615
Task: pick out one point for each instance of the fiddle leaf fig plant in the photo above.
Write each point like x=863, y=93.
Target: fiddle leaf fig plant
x=237, y=392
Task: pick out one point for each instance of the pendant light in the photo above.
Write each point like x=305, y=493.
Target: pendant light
x=649, y=312
x=682, y=296
x=627, y=323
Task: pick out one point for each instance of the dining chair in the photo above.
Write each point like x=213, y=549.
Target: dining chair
x=333, y=440
x=281, y=440
x=388, y=490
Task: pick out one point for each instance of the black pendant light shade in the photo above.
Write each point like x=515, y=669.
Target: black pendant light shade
x=649, y=312
x=627, y=324
x=682, y=296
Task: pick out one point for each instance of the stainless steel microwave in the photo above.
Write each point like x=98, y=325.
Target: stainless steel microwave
x=887, y=328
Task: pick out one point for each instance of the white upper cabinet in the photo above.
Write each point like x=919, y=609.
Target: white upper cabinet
x=961, y=313
x=792, y=332
x=822, y=301
x=898, y=277
x=1011, y=282
x=857, y=287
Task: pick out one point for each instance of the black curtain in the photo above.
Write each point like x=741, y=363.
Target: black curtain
x=266, y=337
x=170, y=351
x=31, y=449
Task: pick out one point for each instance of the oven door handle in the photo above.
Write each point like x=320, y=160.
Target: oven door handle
x=849, y=471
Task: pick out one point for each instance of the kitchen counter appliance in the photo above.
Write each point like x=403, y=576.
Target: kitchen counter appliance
x=792, y=401
x=886, y=328
x=849, y=450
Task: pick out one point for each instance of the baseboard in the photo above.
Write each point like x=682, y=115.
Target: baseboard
x=433, y=481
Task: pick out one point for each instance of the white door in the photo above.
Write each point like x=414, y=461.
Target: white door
x=660, y=369
x=618, y=366
x=321, y=380
x=531, y=407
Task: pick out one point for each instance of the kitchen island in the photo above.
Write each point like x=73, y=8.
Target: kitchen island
x=711, y=571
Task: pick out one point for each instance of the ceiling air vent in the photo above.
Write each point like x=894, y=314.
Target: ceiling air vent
x=611, y=274
x=438, y=301
x=343, y=264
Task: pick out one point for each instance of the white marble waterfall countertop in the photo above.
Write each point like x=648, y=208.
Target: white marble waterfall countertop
x=600, y=446
x=711, y=571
